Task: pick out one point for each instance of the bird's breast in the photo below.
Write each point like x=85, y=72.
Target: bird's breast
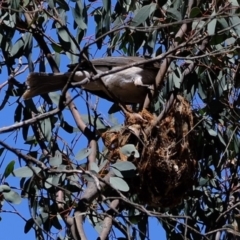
x=129, y=85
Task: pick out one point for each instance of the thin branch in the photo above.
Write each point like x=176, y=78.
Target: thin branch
x=108, y=220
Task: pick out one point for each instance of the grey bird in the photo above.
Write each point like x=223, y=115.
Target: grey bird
x=128, y=86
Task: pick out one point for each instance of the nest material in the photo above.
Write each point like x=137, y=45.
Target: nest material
x=167, y=165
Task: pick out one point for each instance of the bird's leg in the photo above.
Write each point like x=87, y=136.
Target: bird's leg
x=80, y=84
x=126, y=110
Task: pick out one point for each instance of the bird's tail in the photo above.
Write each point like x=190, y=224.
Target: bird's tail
x=40, y=83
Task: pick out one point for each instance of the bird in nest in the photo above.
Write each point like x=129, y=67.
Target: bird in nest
x=128, y=86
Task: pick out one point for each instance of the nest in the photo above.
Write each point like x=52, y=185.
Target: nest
x=166, y=165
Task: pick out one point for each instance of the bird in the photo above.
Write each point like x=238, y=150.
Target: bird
x=128, y=86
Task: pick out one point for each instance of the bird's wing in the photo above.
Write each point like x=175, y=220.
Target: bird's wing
x=107, y=63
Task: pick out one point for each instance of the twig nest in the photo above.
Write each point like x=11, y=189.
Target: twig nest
x=166, y=165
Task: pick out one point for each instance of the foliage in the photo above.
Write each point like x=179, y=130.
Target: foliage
x=196, y=43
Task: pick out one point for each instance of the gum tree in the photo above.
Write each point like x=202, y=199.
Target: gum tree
x=174, y=158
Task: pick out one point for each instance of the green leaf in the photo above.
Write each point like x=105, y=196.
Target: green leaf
x=68, y=128
x=177, y=81
x=78, y=17
x=119, y=184
x=46, y=128
x=42, y=218
x=25, y=171
x=203, y=181
x=25, y=3
x=57, y=60
x=11, y=22
x=31, y=140
x=28, y=43
x=63, y=4
x=107, y=5
x=55, y=97
x=230, y=41
x=57, y=48
x=195, y=12
x=1, y=151
x=18, y=113
x=124, y=166
x=17, y=49
x=235, y=21
x=174, y=14
x=103, y=164
x=130, y=149
x=4, y=188
x=9, y=169
x=56, y=160
x=223, y=23
x=83, y=154
x=49, y=182
x=94, y=167
x=42, y=67
x=28, y=225
x=63, y=34
x=99, y=121
x=51, y=3
x=117, y=173
x=143, y=14
x=12, y=197
x=221, y=139
x=15, y=4
x=211, y=28
x=212, y=132
x=197, y=24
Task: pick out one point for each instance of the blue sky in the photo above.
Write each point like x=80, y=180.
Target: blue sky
x=11, y=226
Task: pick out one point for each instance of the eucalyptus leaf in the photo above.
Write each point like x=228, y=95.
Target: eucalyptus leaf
x=56, y=179
x=129, y=149
x=17, y=48
x=212, y=132
x=4, y=188
x=94, y=167
x=1, y=151
x=9, y=169
x=46, y=128
x=63, y=4
x=18, y=113
x=195, y=11
x=117, y=173
x=83, y=154
x=177, y=81
x=12, y=197
x=79, y=18
x=62, y=33
x=212, y=27
x=124, y=166
x=56, y=160
x=68, y=128
x=119, y=184
x=49, y=182
x=103, y=164
x=57, y=48
x=174, y=13
x=143, y=14
x=25, y=171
